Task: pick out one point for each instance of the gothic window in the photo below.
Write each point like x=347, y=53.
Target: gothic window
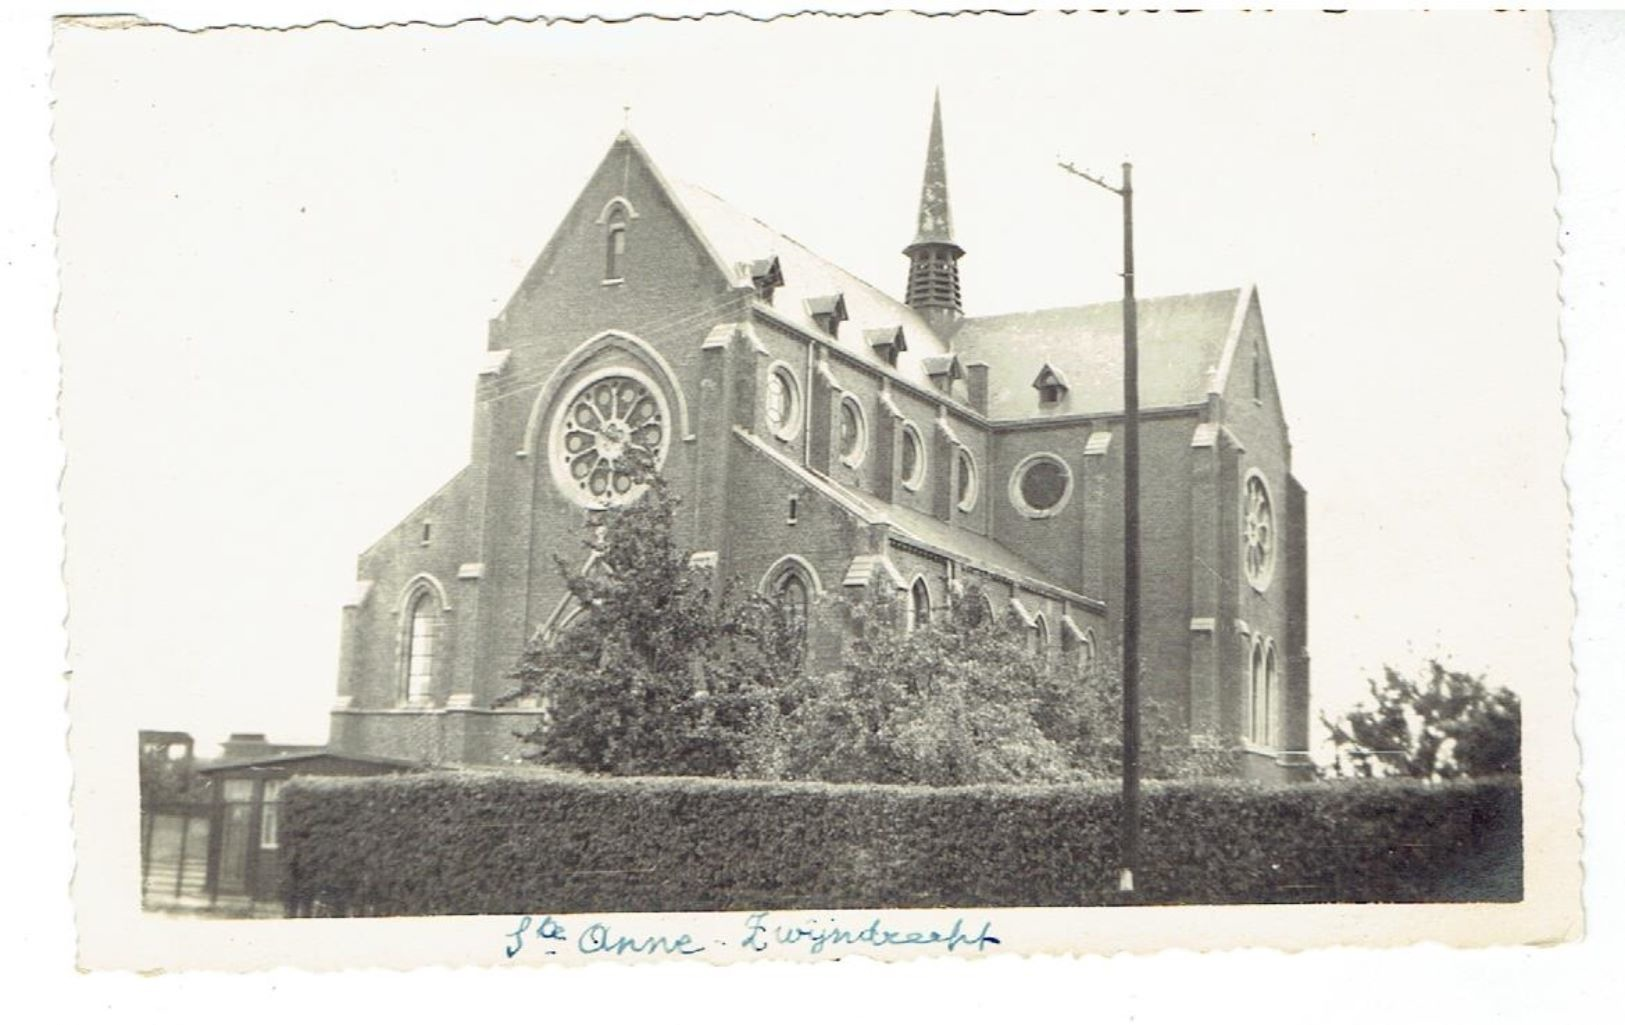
x=912, y=462
x=919, y=604
x=966, y=486
x=611, y=431
x=1258, y=532
x=854, y=433
x=615, y=246
x=1040, y=486
x=783, y=402
x=793, y=596
x=422, y=637
x=1263, y=693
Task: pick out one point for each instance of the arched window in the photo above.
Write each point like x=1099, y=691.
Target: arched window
x=422, y=638
x=1041, y=637
x=1260, y=688
x=793, y=596
x=615, y=245
x=1272, y=696
x=919, y=602
x=911, y=462
x=1086, y=651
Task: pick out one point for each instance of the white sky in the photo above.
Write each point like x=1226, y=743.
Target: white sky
x=280, y=251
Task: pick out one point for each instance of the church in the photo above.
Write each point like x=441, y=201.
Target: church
x=826, y=438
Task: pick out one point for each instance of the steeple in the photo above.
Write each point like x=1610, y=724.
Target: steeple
x=933, y=269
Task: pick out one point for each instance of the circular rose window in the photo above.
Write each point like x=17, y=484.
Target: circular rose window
x=612, y=429
x=1258, y=532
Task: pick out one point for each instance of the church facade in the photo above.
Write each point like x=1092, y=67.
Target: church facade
x=826, y=438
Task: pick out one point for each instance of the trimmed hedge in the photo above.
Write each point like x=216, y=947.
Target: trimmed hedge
x=497, y=842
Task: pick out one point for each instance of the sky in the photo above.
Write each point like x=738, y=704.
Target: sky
x=280, y=250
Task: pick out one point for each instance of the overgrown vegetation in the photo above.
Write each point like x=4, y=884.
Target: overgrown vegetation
x=663, y=674
x=1446, y=725
x=520, y=840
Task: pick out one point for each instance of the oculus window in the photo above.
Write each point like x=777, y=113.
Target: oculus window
x=911, y=462
x=783, y=403
x=1040, y=485
x=853, y=434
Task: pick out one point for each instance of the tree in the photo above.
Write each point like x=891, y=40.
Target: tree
x=961, y=699
x=660, y=673
x=1450, y=725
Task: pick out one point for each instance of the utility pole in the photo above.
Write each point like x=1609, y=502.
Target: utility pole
x=1130, y=826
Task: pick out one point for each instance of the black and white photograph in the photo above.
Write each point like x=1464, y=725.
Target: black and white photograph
x=890, y=486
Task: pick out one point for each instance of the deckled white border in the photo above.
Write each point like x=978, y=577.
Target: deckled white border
x=1349, y=985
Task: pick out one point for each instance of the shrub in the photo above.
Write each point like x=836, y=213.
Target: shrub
x=495, y=842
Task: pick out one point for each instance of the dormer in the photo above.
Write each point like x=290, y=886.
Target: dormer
x=943, y=371
x=1051, y=386
x=886, y=342
x=828, y=312
x=765, y=276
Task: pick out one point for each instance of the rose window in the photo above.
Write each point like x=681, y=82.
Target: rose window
x=610, y=432
x=1258, y=533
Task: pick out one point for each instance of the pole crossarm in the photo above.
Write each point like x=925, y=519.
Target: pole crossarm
x=1086, y=176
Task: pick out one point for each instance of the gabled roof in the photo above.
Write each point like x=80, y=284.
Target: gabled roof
x=741, y=239
x=1182, y=341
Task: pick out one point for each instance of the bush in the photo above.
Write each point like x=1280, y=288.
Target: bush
x=497, y=842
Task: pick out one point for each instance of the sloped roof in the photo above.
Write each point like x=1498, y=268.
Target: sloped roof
x=921, y=528
x=741, y=239
x=1182, y=340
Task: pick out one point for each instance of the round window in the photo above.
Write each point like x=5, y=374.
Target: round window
x=1258, y=532
x=610, y=432
x=912, y=463
x=783, y=402
x=853, y=437
x=967, y=484
x=1040, y=485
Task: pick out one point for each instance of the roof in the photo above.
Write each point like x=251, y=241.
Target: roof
x=742, y=239
x=909, y=525
x=1182, y=341
x=290, y=760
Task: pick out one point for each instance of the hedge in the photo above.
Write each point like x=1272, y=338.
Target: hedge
x=494, y=842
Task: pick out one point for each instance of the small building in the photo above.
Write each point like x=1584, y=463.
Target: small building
x=245, y=858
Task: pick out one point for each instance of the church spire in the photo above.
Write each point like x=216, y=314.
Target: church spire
x=933, y=271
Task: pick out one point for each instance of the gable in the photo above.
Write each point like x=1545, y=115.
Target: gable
x=662, y=243
x=1246, y=376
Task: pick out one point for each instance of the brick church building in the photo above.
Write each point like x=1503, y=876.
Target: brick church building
x=827, y=438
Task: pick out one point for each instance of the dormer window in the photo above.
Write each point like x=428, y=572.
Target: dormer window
x=765, y=276
x=886, y=342
x=1051, y=386
x=943, y=371
x=827, y=311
